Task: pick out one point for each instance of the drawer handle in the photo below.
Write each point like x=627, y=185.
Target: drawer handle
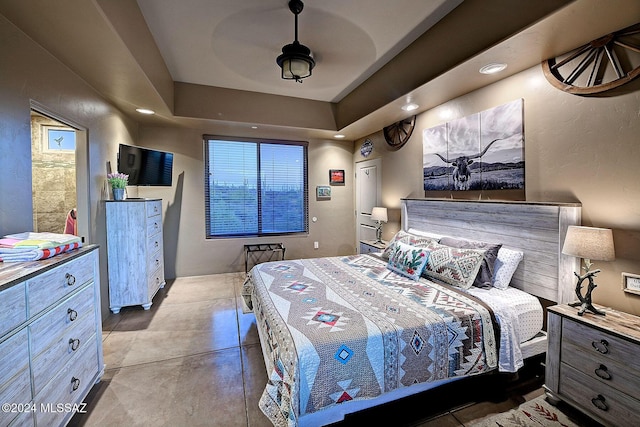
x=75, y=383
x=156, y=244
x=71, y=279
x=599, y=403
x=74, y=343
x=73, y=315
x=155, y=225
x=601, y=347
x=157, y=262
x=603, y=373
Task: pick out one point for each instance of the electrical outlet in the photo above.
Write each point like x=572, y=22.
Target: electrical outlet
x=315, y=245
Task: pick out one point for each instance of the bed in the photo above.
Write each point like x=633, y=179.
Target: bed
x=341, y=334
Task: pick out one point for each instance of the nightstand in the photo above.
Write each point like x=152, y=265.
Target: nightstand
x=593, y=363
x=367, y=246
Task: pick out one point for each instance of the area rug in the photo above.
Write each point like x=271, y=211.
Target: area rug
x=536, y=412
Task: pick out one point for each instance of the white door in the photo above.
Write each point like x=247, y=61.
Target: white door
x=368, y=195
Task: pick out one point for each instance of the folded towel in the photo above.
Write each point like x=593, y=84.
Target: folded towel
x=8, y=243
x=25, y=254
x=36, y=240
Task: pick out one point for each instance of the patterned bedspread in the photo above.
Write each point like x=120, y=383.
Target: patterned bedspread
x=343, y=328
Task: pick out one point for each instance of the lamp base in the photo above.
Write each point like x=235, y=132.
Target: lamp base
x=585, y=301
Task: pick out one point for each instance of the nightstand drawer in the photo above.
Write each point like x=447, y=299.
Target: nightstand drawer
x=605, y=370
x=598, y=399
x=599, y=344
x=369, y=246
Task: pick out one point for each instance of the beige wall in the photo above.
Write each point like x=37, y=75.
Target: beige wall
x=189, y=253
x=576, y=149
x=30, y=74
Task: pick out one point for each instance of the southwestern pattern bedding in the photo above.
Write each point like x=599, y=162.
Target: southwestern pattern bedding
x=343, y=328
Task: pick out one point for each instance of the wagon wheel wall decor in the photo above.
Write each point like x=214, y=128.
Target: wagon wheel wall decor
x=599, y=66
x=397, y=134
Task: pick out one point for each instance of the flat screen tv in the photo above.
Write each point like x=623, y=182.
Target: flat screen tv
x=145, y=166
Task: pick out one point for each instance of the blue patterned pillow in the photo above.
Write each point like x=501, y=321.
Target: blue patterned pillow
x=455, y=266
x=407, y=260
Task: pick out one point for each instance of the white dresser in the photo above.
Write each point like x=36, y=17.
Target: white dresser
x=593, y=364
x=135, y=256
x=50, y=337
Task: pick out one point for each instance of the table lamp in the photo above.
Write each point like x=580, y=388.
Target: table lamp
x=379, y=215
x=589, y=243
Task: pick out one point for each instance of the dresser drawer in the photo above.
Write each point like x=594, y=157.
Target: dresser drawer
x=154, y=243
x=62, y=348
x=64, y=318
x=69, y=386
x=15, y=380
x=155, y=261
x=14, y=307
x=58, y=282
x=600, y=344
x=154, y=225
x=18, y=392
x=598, y=399
x=24, y=419
x=154, y=208
x=14, y=357
x=155, y=281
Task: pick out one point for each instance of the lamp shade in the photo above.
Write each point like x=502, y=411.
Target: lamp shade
x=379, y=214
x=590, y=243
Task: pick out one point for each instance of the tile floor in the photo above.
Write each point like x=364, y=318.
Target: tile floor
x=194, y=359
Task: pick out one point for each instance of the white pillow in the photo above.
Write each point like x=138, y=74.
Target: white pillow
x=506, y=264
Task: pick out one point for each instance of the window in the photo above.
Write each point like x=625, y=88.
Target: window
x=255, y=188
x=58, y=139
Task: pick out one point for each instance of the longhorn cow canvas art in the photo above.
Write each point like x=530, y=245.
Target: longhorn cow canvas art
x=483, y=151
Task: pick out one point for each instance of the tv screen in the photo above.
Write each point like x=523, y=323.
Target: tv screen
x=144, y=166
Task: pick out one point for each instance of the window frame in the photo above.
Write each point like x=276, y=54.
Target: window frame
x=259, y=142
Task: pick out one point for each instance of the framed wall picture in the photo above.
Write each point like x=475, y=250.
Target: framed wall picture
x=336, y=176
x=631, y=283
x=323, y=192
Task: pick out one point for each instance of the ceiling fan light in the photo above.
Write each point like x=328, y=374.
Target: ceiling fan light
x=295, y=61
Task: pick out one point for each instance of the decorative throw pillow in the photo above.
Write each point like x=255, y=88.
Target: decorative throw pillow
x=409, y=239
x=487, y=269
x=455, y=266
x=407, y=260
x=506, y=264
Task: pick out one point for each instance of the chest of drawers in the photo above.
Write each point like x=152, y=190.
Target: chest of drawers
x=593, y=364
x=135, y=253
x=50, y=337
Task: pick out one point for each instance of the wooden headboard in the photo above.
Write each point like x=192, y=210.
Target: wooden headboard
x=537, y=229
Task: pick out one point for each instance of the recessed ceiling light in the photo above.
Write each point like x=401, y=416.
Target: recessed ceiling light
x=493, y=68
x=339, y=136
x=145, y=111
x=254, y=127
x=410, y=107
